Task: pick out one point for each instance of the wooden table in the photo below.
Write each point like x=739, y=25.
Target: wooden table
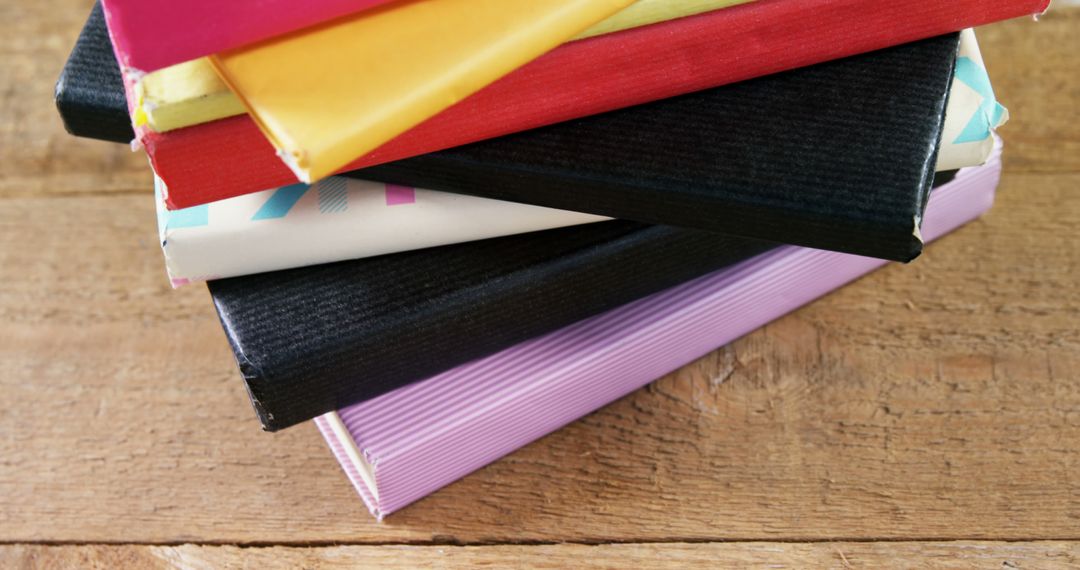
x=926, y=414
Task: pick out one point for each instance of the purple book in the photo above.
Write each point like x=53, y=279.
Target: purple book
x=404, y=445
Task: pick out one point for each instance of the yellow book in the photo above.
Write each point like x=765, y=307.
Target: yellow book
x=338, y=91
x=191, y=93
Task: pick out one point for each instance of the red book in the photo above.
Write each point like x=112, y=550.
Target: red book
x=230, y=157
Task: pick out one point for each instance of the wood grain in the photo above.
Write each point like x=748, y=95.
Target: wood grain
x=1035, y=69
x=936, y=401
x=39, y=157
x=839, y=555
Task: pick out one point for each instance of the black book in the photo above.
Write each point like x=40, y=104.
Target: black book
x=316, y=339
x=90, y=91
x=313, y=340
x=837, y=156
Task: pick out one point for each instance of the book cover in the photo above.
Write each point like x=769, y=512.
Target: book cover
x=404, y=445
x=838, y=156
x=334, y=220
x=156, y=34
x=973, y=112
x=191, y=93
x=152, y=34
x=315, y=339
x=330, y=94
x=230, y=157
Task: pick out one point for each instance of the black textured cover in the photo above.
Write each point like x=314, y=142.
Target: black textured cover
x=90, y=91
x=836, y=156
x=316, y=339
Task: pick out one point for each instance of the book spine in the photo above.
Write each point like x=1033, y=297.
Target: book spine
x=231, y=157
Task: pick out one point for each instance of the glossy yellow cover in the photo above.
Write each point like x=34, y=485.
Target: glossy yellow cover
x=644, y=12
x=191, y=93
x=335, y=92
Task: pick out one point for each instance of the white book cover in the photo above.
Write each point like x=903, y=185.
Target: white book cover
x=336, y=219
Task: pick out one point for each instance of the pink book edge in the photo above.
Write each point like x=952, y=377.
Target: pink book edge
x=410, y=442
x=148, y=35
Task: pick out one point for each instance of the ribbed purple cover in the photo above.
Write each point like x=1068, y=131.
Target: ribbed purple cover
x=429, y=434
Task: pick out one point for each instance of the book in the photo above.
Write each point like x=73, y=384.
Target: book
x=334, y=220
x=230, y=157
x=191, y=93
x=404, y=445
x=314, y=339
x=839, y=156
x=90, y=91
x=327, y=95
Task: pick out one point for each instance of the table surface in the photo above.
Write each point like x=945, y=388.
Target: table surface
x=928, y=413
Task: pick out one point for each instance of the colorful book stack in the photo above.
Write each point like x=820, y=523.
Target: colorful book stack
x=444, y=228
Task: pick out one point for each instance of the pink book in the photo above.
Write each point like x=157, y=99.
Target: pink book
x=406, y=444
x=151, y=34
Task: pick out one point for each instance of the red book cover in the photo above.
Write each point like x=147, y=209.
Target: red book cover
x=230, y=157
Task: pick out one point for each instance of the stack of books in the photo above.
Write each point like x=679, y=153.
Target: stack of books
x=442, y=229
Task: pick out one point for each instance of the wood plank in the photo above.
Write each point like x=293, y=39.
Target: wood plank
x=39, y=157
x=1034, y=69
x=937, y=400
x=841, y=555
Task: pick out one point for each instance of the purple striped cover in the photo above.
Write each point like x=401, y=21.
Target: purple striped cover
x=429, y=434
